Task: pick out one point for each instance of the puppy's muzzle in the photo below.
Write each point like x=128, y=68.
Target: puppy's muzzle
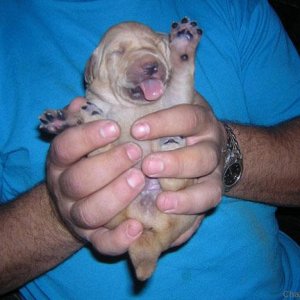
x=147, y=77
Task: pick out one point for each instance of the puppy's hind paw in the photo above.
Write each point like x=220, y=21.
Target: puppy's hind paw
x=171, y=143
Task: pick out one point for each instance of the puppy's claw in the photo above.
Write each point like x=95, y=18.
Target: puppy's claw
x=61, y=115
x=43, y=121
x=49, y=117
x=174, y=25
x=199, y=31
x=185, y=20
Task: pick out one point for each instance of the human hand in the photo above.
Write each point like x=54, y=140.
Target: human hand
x=201, y=160
x=89, y=191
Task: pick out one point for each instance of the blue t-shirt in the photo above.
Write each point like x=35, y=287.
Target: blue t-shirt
x=247, y=70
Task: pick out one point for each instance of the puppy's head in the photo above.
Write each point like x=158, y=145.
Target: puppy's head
x=132, y=62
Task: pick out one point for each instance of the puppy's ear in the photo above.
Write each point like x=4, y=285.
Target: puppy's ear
x=164, y=45
x=92, y=68
x=89, y=70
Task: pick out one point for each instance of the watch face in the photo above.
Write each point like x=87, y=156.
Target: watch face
x=232, y=174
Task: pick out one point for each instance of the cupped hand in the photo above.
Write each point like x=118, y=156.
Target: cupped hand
x=202, y=159
x=89, y=191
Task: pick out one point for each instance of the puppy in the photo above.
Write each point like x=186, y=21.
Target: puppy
x=135, y=71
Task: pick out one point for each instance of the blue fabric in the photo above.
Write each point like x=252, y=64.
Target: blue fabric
x=248, y=71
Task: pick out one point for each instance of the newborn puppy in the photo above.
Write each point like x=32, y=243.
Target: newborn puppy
x=135, y=71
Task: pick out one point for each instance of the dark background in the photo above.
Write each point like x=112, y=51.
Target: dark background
x=289, y=13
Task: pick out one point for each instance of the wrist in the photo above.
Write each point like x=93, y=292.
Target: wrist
x=62, y=228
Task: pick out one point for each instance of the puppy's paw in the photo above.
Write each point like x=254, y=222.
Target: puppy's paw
x=53, y=121
x=92, y=109
x=184, y=38
x=171, y=143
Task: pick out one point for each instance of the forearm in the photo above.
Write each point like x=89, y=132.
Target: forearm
x=271, y=163
x=33, y=240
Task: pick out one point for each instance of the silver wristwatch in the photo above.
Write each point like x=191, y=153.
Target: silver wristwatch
x=233, y=165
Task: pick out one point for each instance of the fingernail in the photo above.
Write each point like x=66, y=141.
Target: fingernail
x=167, y=203
x=140, y=130
x=134, y=229
x=109, y=129
x=133, y=152
x=135, y=178
x=154, y=166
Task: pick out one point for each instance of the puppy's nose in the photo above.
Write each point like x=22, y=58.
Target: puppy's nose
x=151, y=69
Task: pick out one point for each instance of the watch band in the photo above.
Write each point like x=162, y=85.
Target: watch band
x=233, y=165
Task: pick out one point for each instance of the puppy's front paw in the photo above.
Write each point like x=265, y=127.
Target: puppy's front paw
x=184, y=38
x=92, y=109
x=53, y=121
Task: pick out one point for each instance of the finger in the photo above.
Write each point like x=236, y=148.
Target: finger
x=197, y=198
x=188, y=234
x=184, y=120
x=92, y=173
x=76, y=142
x=102, y=206
x=188, y=162
x=116, y=241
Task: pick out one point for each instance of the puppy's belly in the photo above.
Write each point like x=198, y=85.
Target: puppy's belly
x=143, y=208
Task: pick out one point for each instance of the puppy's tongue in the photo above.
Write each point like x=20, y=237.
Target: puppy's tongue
x=152, y=89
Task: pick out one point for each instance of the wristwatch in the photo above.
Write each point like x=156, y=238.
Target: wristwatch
x=233, y=165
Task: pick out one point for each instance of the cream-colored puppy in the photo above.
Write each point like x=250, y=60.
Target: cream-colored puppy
x=135, y=71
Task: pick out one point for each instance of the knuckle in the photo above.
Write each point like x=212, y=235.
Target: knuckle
x=216, y=188
x=117, y=159
x=70, y=183
x=87, y=135
x=195, y=117
x=177, y=164
x=212, y=157
x=110, y=242
x=59, y=151
x=83, y=216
